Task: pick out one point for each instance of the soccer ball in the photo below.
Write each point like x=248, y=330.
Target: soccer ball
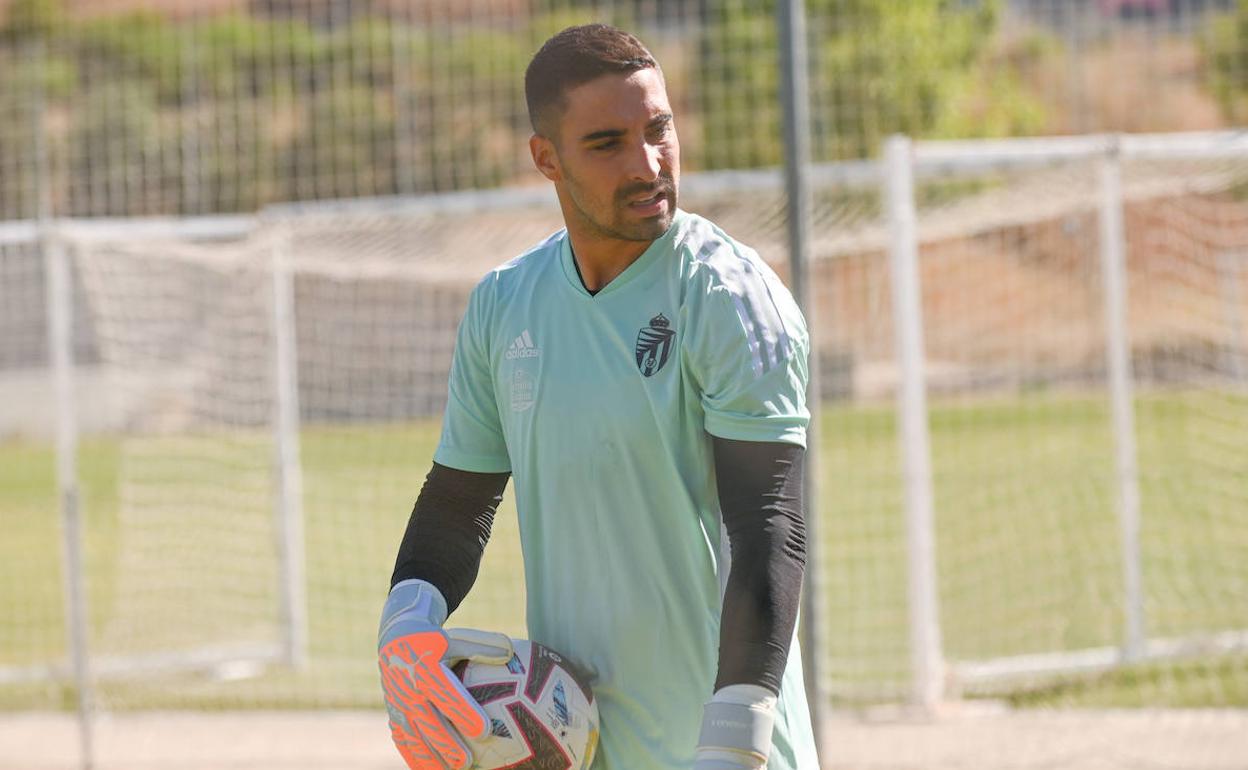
x=543, y=715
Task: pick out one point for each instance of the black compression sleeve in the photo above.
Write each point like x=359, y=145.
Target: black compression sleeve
x=760, y=496
x=448, y=529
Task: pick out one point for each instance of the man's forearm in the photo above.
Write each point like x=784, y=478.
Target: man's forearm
x=448, y=529
x=760, y=493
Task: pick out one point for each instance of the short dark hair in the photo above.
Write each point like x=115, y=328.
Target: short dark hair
x=574, y=56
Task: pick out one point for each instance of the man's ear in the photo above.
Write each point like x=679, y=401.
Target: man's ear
x=545, y=158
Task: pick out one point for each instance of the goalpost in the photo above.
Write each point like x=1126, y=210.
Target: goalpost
x=1105, y=197
x=161, y=348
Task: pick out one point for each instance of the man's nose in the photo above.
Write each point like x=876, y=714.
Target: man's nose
x=647, y=162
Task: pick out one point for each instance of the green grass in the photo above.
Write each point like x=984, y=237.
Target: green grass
x=1028, y=550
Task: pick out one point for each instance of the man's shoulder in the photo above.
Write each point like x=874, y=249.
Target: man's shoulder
x=714, y=260
x=512, y=275
x=728, y=285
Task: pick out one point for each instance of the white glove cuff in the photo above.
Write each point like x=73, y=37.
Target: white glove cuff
x=738, y=721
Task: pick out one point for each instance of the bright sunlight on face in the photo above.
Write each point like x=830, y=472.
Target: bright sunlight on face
x=619, y=155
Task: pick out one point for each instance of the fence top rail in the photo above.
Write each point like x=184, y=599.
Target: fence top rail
x=973, y=155
x=18, y=232
x=858, y=173
x=459, y=202
x=932, y=158
x=228, y=226
x=1194, y=145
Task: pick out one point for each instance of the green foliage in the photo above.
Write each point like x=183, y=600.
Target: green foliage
x=33, y=20
x=236, y=54
x=900, y=71
x=924, y=68
x=139, y=46
x=115, y=145
x=17, y=126
x=380, y=106
x=459, y=119
x=991, y=101
x=344, y=148
x=739, y=90
x=365, y=51
x=1225, y=51
x=553, y=16
x=230, y=55
x=231, y=151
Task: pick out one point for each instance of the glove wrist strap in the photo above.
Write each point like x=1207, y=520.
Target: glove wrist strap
x=412, y=600
x=739, y=720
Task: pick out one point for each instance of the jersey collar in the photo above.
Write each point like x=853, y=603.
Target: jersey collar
x=662, y=244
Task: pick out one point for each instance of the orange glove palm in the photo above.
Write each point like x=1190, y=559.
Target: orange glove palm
x=423, y=696
x=429, y=707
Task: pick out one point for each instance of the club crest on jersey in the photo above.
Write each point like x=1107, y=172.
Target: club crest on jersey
x=654, y=345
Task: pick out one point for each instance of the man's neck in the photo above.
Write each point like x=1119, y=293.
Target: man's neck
x=601, y=260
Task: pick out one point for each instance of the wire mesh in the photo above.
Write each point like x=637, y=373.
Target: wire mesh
x=202, y=106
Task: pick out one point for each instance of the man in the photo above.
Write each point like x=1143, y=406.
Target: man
x=642, y=377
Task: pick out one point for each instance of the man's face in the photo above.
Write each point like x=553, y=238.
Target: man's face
x=617, y=159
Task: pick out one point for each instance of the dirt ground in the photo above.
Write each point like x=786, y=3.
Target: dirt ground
x=976, y=739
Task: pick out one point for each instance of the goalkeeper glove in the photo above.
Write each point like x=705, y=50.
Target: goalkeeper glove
x=736, y=729
x=429, y=707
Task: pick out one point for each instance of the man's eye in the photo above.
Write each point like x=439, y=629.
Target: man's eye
x=605, y=145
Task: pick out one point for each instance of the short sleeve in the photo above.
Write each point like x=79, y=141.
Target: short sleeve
x=748, y=351
x=472, y=434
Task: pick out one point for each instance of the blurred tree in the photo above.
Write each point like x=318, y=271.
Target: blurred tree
x=343, y=147
x=233, y=111
x=33, y=19
x=462, y=120
x=877, y=67
x=1225, y=51
x=234, y=150
x=17, y=136
x=140, y=45
x=115, y=152
x=736, y=87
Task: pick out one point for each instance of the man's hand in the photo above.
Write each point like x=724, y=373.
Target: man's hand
x=429, y=708
x=736, y=729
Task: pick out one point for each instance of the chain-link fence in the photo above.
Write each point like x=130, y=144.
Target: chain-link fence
x=199, y=106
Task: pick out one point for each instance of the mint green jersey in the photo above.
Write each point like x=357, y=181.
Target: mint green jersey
x=603, y=407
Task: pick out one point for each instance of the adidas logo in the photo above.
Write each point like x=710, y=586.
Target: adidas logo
x=523, y=347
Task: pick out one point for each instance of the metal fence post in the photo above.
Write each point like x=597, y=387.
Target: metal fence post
x=926, y=655
x=796, y=98
x=59, y=297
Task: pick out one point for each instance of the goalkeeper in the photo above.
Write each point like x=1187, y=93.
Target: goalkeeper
x=641, y=376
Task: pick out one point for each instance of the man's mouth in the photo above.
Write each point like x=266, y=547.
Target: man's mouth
x=652, y=204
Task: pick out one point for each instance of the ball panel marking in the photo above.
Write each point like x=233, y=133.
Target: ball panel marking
x=542, y=713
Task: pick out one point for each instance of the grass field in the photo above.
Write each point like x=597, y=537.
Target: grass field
x=180, y=542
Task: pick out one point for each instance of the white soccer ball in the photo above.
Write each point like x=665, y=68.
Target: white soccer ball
x=543, y=714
